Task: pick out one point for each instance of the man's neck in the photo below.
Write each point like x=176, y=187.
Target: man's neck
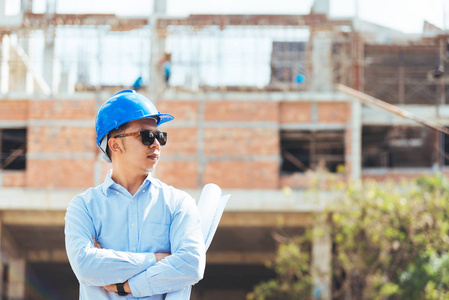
x=131, y=181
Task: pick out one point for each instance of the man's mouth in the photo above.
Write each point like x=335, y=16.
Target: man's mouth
x=153, y=156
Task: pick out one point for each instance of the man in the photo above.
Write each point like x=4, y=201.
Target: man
x=133, y=235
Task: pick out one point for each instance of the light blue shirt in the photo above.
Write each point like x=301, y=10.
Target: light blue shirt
x=130, y=229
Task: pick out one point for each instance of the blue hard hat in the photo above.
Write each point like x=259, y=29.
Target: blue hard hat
x=123, y=107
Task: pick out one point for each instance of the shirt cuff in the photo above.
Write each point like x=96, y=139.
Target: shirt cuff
x=139, y=285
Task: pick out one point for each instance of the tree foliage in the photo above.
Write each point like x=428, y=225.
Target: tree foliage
x=389, y=241
x=293, y=281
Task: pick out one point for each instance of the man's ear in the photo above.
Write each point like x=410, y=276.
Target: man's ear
x=115, y=146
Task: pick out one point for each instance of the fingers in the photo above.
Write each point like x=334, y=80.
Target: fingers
x=96, y=243
x=161, y=256
x=111, y=288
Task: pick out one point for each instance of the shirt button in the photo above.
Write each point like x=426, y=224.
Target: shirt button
x=117, y=193
x=132, y=201
x=132, y=224
x=169, y=289
x=143, y=191
x=141, y=293
x=134, y=249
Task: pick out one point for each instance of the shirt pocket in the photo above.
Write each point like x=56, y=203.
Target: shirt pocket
x=156, y=238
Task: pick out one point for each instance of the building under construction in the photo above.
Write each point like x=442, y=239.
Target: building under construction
x=260, y=103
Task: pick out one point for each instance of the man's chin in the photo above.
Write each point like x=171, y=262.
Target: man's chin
x=151, y=169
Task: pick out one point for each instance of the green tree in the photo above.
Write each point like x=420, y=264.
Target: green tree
x=293, y=278
x=390, y=241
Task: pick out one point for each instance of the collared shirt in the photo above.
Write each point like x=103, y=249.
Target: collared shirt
x=130, y=230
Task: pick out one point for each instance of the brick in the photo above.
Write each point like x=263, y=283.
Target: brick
x=186, y=111
x=61, y=139
x=180, y=174
x=334, y=112
x=241, y=111
x=60, y=173
x=14, y=110
x=16, y=179
x=241, y=141
x=295, y=112
x=180, y=141
x=243, y=174
x=63, y=110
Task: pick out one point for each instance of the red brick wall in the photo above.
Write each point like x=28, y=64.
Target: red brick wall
x=61, y=154
x=180, y=174
x=14, y=110
x=62, y=110
x=238, y=142
x=231, y=156
x=60, y=173
x=239, y=146
x=334, y=112
x=241, y=111
x=243, y=174
x=295, y=112
x=60, y=139
x=13, y=178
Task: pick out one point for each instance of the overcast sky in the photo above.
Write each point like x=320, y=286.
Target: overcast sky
x=404, y=15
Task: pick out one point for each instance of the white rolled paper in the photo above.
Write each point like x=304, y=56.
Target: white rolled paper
x=210, y=206
x=207, y=206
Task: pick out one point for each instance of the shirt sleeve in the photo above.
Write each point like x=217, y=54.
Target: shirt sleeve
x=185, y=266
x=92, y=266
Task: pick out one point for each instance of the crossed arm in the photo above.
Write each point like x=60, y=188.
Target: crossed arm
x=144, y=274
x=113, y=287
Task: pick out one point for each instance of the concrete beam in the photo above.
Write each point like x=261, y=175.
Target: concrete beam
x=17, y=200
x=307, y=96
x=41, y=256
x=376, y=116
x=234, y=257
x=33, y=218
x=57, y=156
x=265, y=219
x=35, y=199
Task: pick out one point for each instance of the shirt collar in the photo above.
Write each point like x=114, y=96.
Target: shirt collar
x=109, y=182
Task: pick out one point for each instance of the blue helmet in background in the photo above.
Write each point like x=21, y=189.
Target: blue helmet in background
x=123, y=107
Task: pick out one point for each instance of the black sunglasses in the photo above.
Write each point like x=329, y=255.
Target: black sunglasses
x=148, y=136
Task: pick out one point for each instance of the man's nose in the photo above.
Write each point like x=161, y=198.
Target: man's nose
x=155, y=144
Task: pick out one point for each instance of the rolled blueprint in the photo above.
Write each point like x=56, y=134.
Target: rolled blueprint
x=210, y=206
x=207, y=206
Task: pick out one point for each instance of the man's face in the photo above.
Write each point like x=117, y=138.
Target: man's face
x=135, y=154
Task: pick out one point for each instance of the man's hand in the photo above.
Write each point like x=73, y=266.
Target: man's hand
x=113, y=288
x=96, y=243
x=161, y=256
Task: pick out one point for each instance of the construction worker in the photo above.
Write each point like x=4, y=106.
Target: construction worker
x=133, y=235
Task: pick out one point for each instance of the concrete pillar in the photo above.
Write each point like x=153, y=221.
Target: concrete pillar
x=321, y=78
x=13, y=263
x=4, y=64
x=157, y=84
x=354, y=144
x=321, y=262
x=50, y=65
x=29, y=81
x=16, y=276
x=18, y=66
x=3, y=289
